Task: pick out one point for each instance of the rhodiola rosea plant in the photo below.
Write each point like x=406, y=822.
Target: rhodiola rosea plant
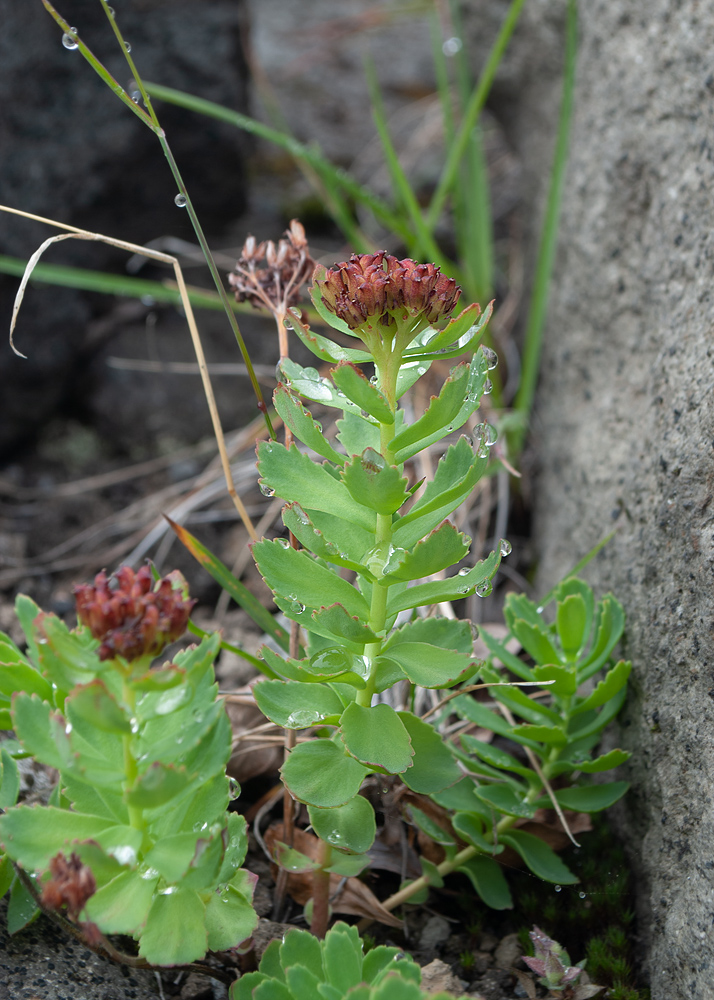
x=355, y=574
x=136, y=838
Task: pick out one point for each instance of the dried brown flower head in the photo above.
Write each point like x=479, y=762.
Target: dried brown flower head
x=270, y=276
x=131, y=618
x=380, y=289
x=71, y=884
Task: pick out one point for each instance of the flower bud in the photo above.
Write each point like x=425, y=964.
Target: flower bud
x=129, y=617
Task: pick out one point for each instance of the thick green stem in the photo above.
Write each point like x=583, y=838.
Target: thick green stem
x=131, y=770
x=321, y=893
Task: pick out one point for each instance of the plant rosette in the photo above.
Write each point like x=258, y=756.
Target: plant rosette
x=136, y=835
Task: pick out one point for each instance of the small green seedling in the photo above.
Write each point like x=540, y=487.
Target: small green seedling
x=136, y=838
x=552, y=964
x=300, y=966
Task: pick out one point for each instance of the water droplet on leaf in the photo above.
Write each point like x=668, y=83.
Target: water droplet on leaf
x=464, y=572
x=558, y=888
x=180, y=200
x=69, y=41
x=490, y=357
x=484, y=589
x=487, y=387
x=266, y=490
x=505, y=547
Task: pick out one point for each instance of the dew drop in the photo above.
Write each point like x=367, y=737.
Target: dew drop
x=300, y=719
x=582, y=895
x=505, y=547
x=127, y=46
x=558, y=888
x=266, y=490
x=111, y=11
x=464, y=572
x=539, y=611
x=134, y=725
x=487, y=387
x=69, y=41
x=374, y=380
x=451, y=46
x=148, y=300
x=490, y=357
x=68, y=728
x=283, y=542
x=484, y=589
x=135, y=96
x=180, y=200
x=296, y=607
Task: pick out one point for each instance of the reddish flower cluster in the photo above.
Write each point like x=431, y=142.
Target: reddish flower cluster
x=270, y=276
x=376, y=286
x=71, y=885
x=130, y=617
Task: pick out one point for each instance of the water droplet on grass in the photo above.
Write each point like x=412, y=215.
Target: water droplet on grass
x=127, y=46
x=180, y=200
x=451, y=46
x=69, y=41
x=582, y=895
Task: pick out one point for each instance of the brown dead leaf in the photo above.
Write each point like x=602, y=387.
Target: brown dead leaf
x=353, y=898
x=251, y=758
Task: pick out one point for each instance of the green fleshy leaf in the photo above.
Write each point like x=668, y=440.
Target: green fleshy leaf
x=376, y=737
x=475, y=712
x=7, y=874
x=571, y=621
x=573, y=587
x=605, y=715
x=357, y=387
x=32, y=835
x=27, y=611
x=105, y=866
x=270, y=962
x=591, y=798
x=510, y=660
x=470, y=826
x=395, y=988
x=309, y=383
x=609, y=626
x=515, y=698
x=432, y=667
x=321, y=774
x=271, y=990
x=32, y=720
x=22, y=909
x=375, y=484
x=9, y=782
x=348, y=865
x=430, y=827
x=303, y=425
x=459, y=797
x=96, y=706
x=355, y=433
x=18, y=674
x=441, y=410
x=342, y=957
x=377, y=960
x=312, y=538
x=469, y=321
x=552, y=735
x=495, y=756
x=541, y=860
x=607, y=688
x=329, y=664
x=535, y=642
x=158, y=784
x=295, y=706
x=172, y=856
x=447, y=633
x=487, y=878
x=67, y=658
x=344, y=626
x=324, y=348
x=301, y=948
x=604, y=763
x=122, y=905
x=504, y=800
x=442, y=548
x=86, y=797
x=236, y=850
x=351, y=827
x=242, y=989
x=457, y=472
x=175, y=932
x=431, y=873
x=433, y=767
x=302, y=983
x=159, y=679
x=297, y=577
x=409, y=373
x=292, y=860
x=453, y=589
x=566, y=681
x=230, y=919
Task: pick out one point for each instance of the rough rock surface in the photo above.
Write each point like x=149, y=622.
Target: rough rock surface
x=71, y=151
x=625, y=433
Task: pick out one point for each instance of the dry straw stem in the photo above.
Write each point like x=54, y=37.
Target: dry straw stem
x=83, y=234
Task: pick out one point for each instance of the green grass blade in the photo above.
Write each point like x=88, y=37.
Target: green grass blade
x=240, y=594
x=474, y=109
x=298, y=150
x=548, y=242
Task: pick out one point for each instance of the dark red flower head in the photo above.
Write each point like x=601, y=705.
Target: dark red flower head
x=380, y=287
x=130, y=617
